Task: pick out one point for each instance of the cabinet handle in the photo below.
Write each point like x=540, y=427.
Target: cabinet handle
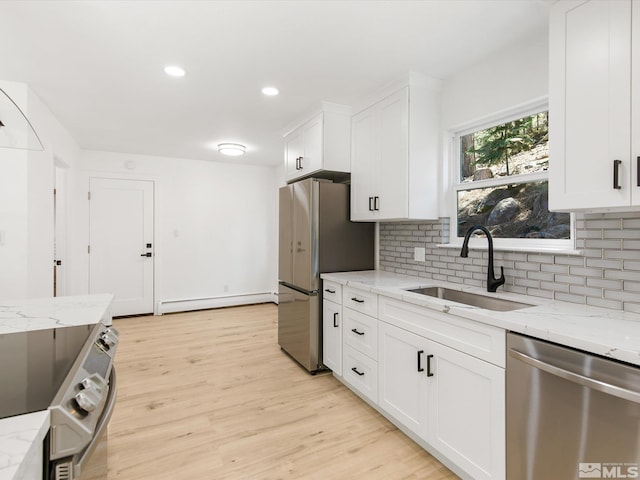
x=357, y=332
x=355, y=299
x=638, y=171
x=329, y=290
x=420, y=352
x=376, y=203
x=354, y=369
x=370, y=206
x=301, y=167
x=616, y=171
x=335, y=320
x=429, y=372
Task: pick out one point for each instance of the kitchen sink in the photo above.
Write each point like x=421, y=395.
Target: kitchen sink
x=467, y=298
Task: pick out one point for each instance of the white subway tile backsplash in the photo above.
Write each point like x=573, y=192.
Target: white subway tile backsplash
x=631, y=244
x=608, y=264
x=604, y=283
x=632, y=307
x=585, y=272
x=607, y=274
x=555, y=287
x=571, y=280
x=601, y=302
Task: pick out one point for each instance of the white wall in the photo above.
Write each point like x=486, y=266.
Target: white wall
x=26, y=201
x=514, y=76
x=215, y=224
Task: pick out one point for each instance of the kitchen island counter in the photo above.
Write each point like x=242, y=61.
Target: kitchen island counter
x=21, y=436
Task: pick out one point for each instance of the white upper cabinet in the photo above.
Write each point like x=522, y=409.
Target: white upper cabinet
x=322, y=143
x=593, y=79
x=395, y=155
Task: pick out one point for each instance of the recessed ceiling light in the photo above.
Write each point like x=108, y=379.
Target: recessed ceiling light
x=174, y=71
x=271, y=91
x=231, y=149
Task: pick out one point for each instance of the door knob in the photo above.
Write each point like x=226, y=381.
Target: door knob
x=148, y=254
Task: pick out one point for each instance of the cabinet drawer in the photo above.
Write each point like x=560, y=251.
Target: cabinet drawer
x=360, y=300
x=361, y=373
x=361, y=332
x=331, y=291
x=485, y=342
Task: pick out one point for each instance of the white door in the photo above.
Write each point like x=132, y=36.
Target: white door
x=332, y=337
x=364, y=163
x=60, y=232
x=402, y=372
x=293, y=152
x=589, y=106
x=392, y=188
x=312, y=139
x=466, y=412
x=121, y=243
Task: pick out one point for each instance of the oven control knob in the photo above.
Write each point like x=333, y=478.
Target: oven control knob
x=95, y=382
x=109, y=338
x=88, y=399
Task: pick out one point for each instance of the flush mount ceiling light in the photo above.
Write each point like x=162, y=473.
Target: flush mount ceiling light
x=231, y=149
x=270, y=91
x=174, y=71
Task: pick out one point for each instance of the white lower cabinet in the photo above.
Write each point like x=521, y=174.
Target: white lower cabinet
x=438, y=376
x=332, y=336
x=465, y=412
x=400, y=382
x=453, y=401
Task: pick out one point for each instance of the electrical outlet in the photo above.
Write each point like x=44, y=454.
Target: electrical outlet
x=419, y=254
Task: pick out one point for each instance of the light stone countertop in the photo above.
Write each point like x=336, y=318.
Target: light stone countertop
x=54, y=312
x=20, y=439
x=22, y=435
x=611, y=333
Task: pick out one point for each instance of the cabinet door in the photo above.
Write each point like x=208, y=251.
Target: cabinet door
x=312, y=150
x=364, y=163
x=293, y=150
x=590, y=104
x=401, y=376
x=635, y=107
x=466, y=412
x=391, y=182
x=332, y=336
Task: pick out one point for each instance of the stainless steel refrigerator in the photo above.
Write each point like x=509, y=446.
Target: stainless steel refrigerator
x=316, y=236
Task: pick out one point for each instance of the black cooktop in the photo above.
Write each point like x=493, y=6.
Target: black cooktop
x=34, y=364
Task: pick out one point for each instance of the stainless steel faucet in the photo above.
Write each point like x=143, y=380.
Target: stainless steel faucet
x=492, y=282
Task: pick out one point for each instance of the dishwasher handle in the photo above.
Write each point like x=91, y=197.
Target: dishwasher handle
x=597, y=385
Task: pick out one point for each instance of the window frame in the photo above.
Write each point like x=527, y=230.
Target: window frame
x=566, y=246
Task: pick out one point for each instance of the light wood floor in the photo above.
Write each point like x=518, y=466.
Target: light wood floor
x=210, y=395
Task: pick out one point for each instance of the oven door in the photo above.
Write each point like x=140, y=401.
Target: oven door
x=90, y=463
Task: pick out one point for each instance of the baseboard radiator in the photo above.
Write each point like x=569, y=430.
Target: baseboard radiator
x=186, y=305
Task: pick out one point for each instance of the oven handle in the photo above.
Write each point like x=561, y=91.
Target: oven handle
x=101, y=427
x=597, y=385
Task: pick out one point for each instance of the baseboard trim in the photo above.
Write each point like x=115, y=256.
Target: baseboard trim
x=185, y=305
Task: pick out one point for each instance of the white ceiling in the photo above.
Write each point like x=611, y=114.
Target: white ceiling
x=98, y=65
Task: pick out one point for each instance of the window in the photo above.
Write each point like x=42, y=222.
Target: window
x=502, y=182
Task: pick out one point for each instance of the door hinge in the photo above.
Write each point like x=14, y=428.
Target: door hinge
x=88, y=248
x=88, y=195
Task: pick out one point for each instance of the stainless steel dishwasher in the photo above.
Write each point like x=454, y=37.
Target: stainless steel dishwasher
x=570, y=414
